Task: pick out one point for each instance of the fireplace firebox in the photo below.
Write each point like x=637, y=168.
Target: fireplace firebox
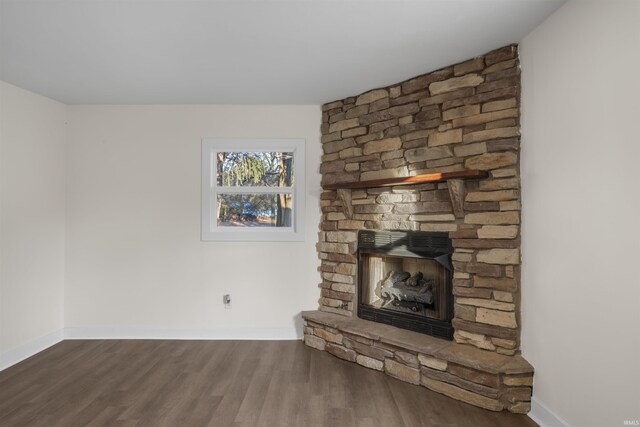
x=405, y=280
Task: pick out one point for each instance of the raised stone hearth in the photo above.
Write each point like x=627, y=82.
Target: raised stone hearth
x=478, y=377
x=462, y=119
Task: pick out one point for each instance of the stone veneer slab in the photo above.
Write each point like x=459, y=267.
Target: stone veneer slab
x=481, y=378
x=450, y=351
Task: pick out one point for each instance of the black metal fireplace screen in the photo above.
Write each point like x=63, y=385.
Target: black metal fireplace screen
x=405, y=280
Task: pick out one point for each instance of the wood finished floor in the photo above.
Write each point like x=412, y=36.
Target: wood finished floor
x=218, y=383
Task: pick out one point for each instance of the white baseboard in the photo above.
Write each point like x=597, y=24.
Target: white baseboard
x=544, y=416
x=24, y=351
x=184, y=334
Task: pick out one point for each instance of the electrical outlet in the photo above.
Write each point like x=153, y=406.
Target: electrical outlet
x=226, y=300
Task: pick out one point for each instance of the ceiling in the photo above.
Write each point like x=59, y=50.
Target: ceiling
x=244, y=52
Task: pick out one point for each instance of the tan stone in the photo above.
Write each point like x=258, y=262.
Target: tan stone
x=341, y=352
x=495, y=317
x=331, y=105
x=499, y=256
x=492, y=218
x=462, y=394
x=498, y=232
x=339, y=278
x=510, y=344
x=341, y=236
x=340, y=248
x=433, y=218
x=405, y=120
x=485, y=117
x=344, y=124
x=503, y=173
x=500, y=66
x=444, y=138
x=344, y=287
x=475, y=64
x=462, y=257
x=354, y=132
x=315, y=342
x=491, y=196
x=432, y=362
x=371, y=96
x=422, y=153
x=352, y=167
x=503, y=296
x=485, y=135
x=388, y=144
x=385, y=173
x=370, y=363
x=407, y=358
x=344, y=268
x=388, y=155
x=350, y=152
x=489, y=161
x=469, y=80
x=501, y=283
x=518, y=381
x=439, y=227
x=478, y=340
x=502, y=104
x=401, y=371
x=470, y=149
x=335, y=216
x=350, y=224
x=520, y=407
x=465, y=110
x=328, y=336
x=511, y=205
x=330, y=302
x=499, y=184
x=486, y=303
x=465, y=312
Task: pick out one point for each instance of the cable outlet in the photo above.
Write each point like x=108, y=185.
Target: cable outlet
x=226, y=300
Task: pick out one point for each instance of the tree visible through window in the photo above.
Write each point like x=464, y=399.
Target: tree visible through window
x=252, y=189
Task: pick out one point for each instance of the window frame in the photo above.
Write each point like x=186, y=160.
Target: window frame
x=210, y=231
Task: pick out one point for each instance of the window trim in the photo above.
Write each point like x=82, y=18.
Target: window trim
x=209, y=228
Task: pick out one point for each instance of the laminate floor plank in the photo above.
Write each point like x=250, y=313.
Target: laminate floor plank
x=218, y=383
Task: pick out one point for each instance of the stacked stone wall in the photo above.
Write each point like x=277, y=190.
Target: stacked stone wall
x=461, y=117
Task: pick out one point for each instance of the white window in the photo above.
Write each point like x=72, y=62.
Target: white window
x=253, y=189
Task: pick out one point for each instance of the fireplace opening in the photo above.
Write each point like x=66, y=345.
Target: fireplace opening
x=405, y=280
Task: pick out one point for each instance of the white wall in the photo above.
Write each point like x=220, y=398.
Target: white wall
x=32, y=220
x=581, y=211
x=135, y=262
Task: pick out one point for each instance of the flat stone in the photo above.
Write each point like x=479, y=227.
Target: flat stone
x=369, y=97
x=478, y=340
x=432, y=362
x=401, y=171
x=486, y=303
x=470, y=149
x=388, y=144
x=496, y=317
x=368, y=350
x=465, y=110
x=475, y=64
x=423, y=153
x=478, y=377
x=344, y=124
x=517, y=365
x=370, y=363
x=491, y=196
x=493, y=393
x=502, y=104
x=485, y=135
x=490, y=161
x=462, y=394
x=328, y=336
x=499, y=256
x=499, y=184
x=445, y=138
x=485, y=117
x=520, y=407
x=492, y=218
x=402, y=372
x=469, y=80
x=341, y=352
x=526, y=380
x=342, y=236
x=408, y=359
x=498, y=232
x=315, y=342
x=503, y=296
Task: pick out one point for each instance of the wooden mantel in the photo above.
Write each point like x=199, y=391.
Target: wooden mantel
x=410, y=180
x=454, y=180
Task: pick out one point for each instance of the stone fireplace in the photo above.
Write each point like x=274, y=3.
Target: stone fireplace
x=436, y=154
